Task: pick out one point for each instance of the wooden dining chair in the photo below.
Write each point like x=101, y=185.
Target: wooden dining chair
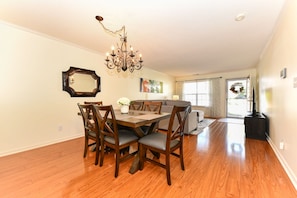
x=136, y=105
x=91, y=128
x=94, y=103
x=166, y=143
x=113, y=137
x=152, y=106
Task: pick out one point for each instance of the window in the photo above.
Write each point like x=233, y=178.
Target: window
x=197, y=92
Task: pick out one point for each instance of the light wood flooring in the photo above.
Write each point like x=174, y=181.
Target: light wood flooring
x=219, y=163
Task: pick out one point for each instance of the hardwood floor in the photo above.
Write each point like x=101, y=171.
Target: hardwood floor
x=219, y=162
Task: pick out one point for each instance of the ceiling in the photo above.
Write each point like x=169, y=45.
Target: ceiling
x=179, y=38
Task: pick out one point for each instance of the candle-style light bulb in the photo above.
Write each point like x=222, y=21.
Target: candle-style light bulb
x=107, y=54
x=131, y=49
x=140, y=56
x=112, y=49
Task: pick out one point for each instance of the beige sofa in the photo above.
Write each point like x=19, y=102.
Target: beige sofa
x=167, y=106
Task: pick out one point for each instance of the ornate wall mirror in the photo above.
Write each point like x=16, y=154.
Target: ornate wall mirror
x=81, y=82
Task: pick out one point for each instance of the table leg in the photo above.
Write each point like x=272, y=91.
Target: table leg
x=140, y=133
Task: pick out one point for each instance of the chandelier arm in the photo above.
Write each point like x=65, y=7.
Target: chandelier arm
x=116, y=63
x=109, y=65
x=138, y=66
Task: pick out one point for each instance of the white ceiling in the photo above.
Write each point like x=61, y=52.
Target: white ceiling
x=176, y=37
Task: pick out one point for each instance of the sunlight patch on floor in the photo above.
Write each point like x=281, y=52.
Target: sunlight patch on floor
x=236, y=140
x=232, y=120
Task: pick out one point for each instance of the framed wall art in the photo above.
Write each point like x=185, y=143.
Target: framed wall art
x=151, y=86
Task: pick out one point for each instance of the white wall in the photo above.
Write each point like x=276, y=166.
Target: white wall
x=34, y=109
x=225, y=75
x=278, y=97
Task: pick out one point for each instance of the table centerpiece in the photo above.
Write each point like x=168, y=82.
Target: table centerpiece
x=124, y=104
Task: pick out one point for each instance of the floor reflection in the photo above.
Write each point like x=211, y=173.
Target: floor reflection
x=203, y=140
x=232, y=140
x=235, y=140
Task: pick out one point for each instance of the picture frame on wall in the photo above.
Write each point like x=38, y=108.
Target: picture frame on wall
x=151, y=86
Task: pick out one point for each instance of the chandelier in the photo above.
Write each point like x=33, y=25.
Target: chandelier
x=120, y=58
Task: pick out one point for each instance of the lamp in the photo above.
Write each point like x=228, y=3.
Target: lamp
x=120, y=58
x=175, y=97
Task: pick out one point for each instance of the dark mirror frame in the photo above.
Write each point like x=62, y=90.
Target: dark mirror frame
x=73, y=70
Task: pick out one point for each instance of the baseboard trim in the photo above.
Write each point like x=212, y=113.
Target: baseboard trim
x=283, y=162
x=22, y=149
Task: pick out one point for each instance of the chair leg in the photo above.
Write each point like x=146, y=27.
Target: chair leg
x=97, y=152
x=141, y=156
x=181, y=157
x=168, y=169
x=118, y=155
x=102, y=152
x=86, y=147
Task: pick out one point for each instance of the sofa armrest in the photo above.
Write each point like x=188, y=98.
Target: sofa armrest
x=190, y=124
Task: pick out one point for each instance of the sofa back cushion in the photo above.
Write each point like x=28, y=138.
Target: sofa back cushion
x=166, y=108
x=178, y=103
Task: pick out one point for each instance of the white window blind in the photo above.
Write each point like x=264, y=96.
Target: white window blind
x=197, y=92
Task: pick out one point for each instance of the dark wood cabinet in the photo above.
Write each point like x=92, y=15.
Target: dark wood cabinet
x=256, y=126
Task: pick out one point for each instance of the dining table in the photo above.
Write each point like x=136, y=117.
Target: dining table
x=135, y=120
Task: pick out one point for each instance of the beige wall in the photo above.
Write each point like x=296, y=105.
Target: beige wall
x=34, y=109
x=277, y=96
x=225, y=75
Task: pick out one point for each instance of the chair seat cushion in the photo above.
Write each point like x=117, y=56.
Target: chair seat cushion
x=157, y=140
x=125, y=136
x=92, y=133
